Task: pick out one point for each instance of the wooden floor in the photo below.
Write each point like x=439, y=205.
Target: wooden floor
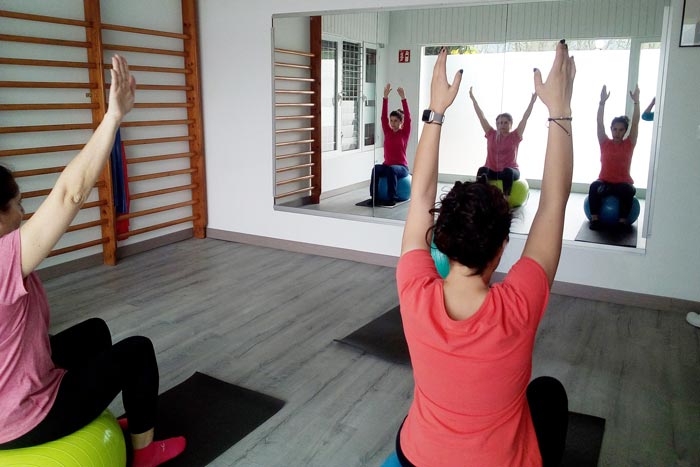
x=266, y=319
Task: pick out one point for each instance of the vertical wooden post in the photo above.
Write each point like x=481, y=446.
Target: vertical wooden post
x=98, y=96
x=315, y=48
x=189, y=27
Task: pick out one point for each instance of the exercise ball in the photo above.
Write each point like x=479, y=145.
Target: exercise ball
x=392, y=461
x=442, y=262
x=518, y=192
x=610, y=210
x=98, y=444
x=403, y=188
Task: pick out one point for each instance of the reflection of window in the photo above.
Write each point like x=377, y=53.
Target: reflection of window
x=501, y=75
x=348, y=116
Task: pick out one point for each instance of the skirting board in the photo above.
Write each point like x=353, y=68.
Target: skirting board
x=122, y=252
x=620, y=297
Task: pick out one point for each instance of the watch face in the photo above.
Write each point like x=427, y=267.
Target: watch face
x=427, y=115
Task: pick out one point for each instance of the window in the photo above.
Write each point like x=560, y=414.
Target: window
x=348, y=117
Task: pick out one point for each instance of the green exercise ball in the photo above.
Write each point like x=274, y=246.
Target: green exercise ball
x=99, y=444
x=518, y=192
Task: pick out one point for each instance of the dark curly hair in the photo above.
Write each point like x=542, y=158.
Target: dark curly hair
x=397, y=113
x=8, y=188
x=473, y=222
x=624, y=119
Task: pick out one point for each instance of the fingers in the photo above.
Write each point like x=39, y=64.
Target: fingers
x=559, y=56
x=538, y=80
x=455, y=83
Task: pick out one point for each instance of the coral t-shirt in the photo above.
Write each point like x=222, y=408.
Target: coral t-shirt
x=469, y=402
x=29, y=379
x=615, y=161
x=502, y=151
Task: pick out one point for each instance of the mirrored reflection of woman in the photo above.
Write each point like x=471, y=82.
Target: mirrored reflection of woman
x=51, y=386
x=471, y=343
x=615, y=162
x=502, y=145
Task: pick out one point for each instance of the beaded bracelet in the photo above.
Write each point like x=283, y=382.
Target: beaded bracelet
x=556, y=120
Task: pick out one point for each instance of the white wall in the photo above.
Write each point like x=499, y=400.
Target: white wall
x=237, y=108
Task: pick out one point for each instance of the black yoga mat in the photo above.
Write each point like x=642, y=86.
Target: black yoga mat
x=384, y=338
x=212, y=415
x=368, y=203
x=607, y=236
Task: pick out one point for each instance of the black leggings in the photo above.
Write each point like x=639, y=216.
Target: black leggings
x=508, y=175
x=96, y=372
x=549, y=408
x=623, y=191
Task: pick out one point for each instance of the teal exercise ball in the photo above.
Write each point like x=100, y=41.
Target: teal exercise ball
x=98, y=444
x=442, y=262
x=610, y=210
x=518, y=192
x=403, y=188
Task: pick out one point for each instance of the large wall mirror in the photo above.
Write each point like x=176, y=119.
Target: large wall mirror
x=616, y=43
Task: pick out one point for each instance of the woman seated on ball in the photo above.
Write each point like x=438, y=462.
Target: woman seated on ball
x=471, y=344
x=51, y=386
x=397, y=130
x=615, y=161
x=502, y=145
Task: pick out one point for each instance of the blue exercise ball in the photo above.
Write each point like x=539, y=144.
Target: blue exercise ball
x=610, y=210
x=403, y=188
x=442, y=262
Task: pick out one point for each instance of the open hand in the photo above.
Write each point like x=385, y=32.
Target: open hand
x=442, y=93
x=471, y=94
x=122, y=88
x=604, y=94
x=402, y=93
x=387, y=90
x=635, y=94
x=555, y=93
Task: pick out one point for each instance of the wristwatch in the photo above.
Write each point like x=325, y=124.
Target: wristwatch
x=432, y=117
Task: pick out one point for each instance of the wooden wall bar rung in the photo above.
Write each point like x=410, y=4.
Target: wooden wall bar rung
x=143, y=50
x=169, y=139
x=293, y=180
x=151, y=228
x=150, y=32
x=164, y=157
x=147, y=212
x=294, y=52
x=169, y=173
x=295, y=192
x=42, y=150
x=164, y=191
x=47, y=106
x=296, y=154
x=35, y=172
x=33, y=128
x=292, y=65
x=294, y=130
x=155, y=69
x=161, y=87
x=291, y=78
x=80, y=246
x=38, y=193
x=93, y=204
x=292, y=104
x=162, y=105
x=86, y=225
x=44, y=19
x=295, y=167
x=295, y=117
x=156, y=123
x=290, y=143
x=49, y=63
x=43, y=41
x=293, y=91
x=46, y=84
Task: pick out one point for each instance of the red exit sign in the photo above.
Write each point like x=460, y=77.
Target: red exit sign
x=404, y=56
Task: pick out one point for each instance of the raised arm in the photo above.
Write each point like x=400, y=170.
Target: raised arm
x=425, y=170
x=484, y=123
x=385, y=108
x=634, y=125
x=545, y=238
x=406, y=111
x=41, y=232
x=523, y=122
x=604, y=94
